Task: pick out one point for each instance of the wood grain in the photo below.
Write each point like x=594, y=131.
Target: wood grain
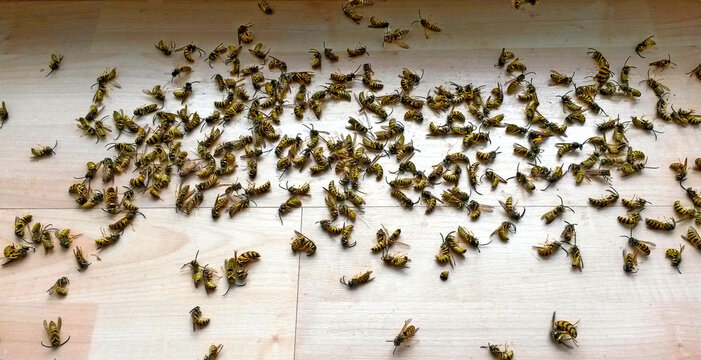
x=134, y=303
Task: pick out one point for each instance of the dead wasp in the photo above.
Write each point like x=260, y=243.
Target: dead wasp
x=244, y=34
x=43, y=151
x=663, y=64
x=504, y=229
x=641, y=246
x=378, y=23
x=548, y=248
x=14, y=252
x=189, y=50
x=395, y=37
x=80, y=259
x=180, y=70
x=606, y=200
x=357, y=280
x=303, y=243
x=680, y=170
x=496, y=351
x=556, y=212
x=493, y=178
x=198, y=321
x=265, y=7
x=696, y=71
x=675, y=256
x=60, y=287
x=53, y=331
x=504, y=57
x=3, y=114
x=513, y=85
x=562, y=330
x=259, y=52
x=630, y=219
x=516, y=65
x=644, y=45
x=444, y=252
x=426, y=25
x=682, y=211
x=157, y=93
x=655, y=224
x=165, y=49
x=405, y=334
x=358, y=51
x=559, y=79
x=636, y=203
x=55, y=62
x=693, y=237
x=630, y=261
x=350, y=12
x=509, y=207
x=646, y=125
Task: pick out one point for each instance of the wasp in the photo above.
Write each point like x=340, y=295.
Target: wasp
x=641, y=246
x=122, y=223
x=21, y=223
x=675, y=256
x=213, y=352
x=504, y=57
x=184, y=91
x=53, y=331
x=643, y=124
x=13, y=252
x=562, y=331
x=516, y=65
x=660, y=225
x=644, y=45
x=55, y=63
x=559, y=79
x=634, y=203
x=683, y=212
x=358, y=51
x=107, y=240
x=357, y=280
x=189, y=50
x=553, y=214
x=209, y=278
x=693, y=237
x=244, y=34
x=3, y=114
x=80, y=258
x=509, y=207
x=198, y=321
x=165, y=49
x=349, y=11
x=43, y=151
x=630, y=261
x=680, y=170
x=398, y=260
x=395, y=37
x=303, y=244
x=504, y=229
x=378, y=23
x=444, y=255
x=60, y=287
x=265, y=7
x=631, y=219
x=606, y=200
x=496, y=351
x=259, y=52
x=289, y=205
x=427, y=26
x=548, y=248
x=65, y=238
x=405, y=334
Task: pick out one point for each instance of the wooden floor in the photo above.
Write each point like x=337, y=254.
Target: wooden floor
x=134, y=303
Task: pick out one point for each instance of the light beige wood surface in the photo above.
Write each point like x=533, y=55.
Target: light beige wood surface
x=134, y=303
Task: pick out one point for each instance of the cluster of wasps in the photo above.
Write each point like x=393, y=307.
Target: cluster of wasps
x=235, y=271
x=216, y=158
x=391, y=36
x=42, y=235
